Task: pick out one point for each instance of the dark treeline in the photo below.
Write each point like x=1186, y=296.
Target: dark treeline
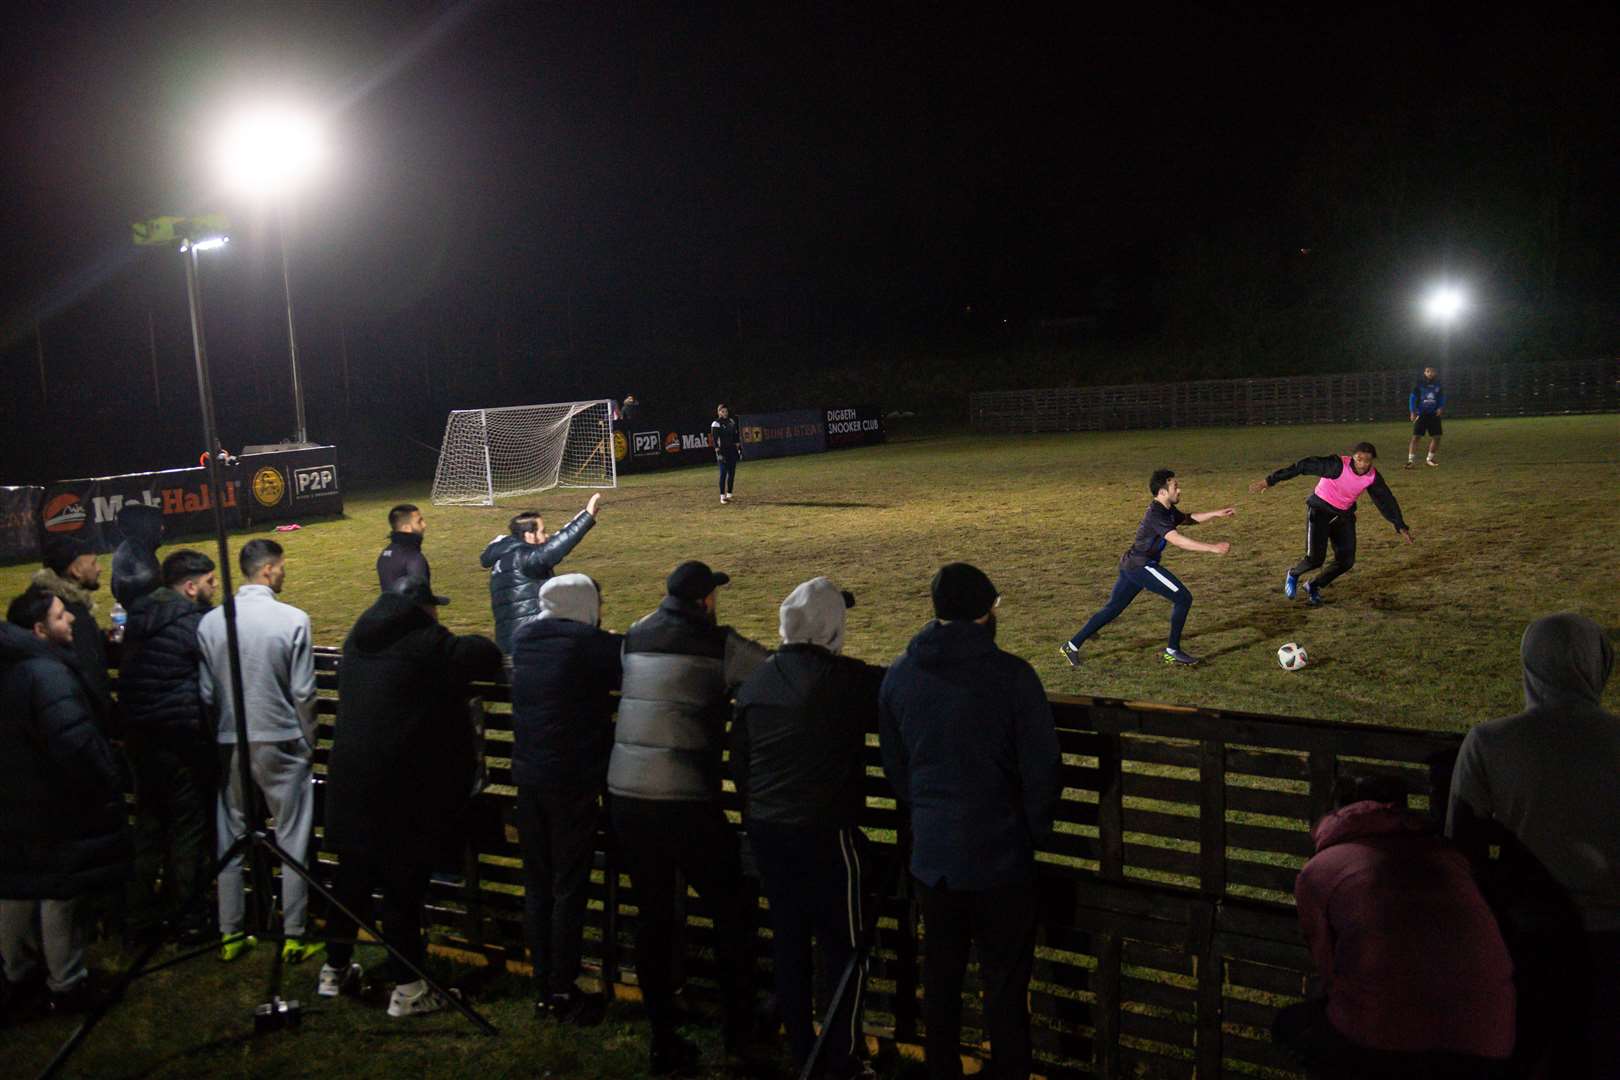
x=934, y=221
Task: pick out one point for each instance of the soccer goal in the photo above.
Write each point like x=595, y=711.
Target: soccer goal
x=491, y=454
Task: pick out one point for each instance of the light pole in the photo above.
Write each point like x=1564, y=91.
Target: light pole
x=265, y=154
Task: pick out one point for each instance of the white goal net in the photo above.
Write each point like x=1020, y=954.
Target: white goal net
x=491, y=454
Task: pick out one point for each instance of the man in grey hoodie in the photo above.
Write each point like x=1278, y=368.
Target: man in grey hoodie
x=1544, y=786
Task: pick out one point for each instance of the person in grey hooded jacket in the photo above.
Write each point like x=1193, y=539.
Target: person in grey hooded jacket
x=1544, y=786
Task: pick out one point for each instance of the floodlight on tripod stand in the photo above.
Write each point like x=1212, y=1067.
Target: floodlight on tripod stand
x=255, y=842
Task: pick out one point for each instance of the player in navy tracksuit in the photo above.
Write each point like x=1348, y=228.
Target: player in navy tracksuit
x=726, y=438
x=1139, y=567
x=1426, y=405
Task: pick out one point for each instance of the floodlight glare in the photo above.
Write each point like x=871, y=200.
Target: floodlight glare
x=208, y=244
x=266, y=150
x=1445, y=304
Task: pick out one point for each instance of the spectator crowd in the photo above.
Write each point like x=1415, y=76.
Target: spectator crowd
x=1490, y=947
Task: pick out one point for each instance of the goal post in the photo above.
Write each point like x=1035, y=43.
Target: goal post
x=493, y=454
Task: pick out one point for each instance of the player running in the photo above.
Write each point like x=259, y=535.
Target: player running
x=1427, y=404
x=1330, y=512
x=1139, y=568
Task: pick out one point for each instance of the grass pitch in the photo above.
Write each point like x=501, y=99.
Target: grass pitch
x=1518, y=521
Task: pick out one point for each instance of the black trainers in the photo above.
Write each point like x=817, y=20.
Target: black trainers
x=575, y=1007
x=673, y=1055
x=1176, y=656
x=1070, y=653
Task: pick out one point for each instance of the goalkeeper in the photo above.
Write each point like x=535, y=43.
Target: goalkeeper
x=522, y=561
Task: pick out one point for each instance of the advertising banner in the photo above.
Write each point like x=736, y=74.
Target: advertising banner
x=19, y=522
x=779, y=434
x=853, y=425
x=654, y=442
x=277, y=486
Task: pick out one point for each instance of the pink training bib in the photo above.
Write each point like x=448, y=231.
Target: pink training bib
x=1341, y=491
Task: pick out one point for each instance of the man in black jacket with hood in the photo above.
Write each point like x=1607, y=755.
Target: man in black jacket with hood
x=404, y=756
x=971, y=748
x=135, y=569
x=564, y=671
x=798, y=753
x=63, y=830
x=521, y=561
x=171, y=742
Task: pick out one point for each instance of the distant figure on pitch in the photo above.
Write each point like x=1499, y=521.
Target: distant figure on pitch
x=1330, y=515
x=403, y=557
x=1139, y=567
x=520, y=562
x=1426, y=406
x=726, y=438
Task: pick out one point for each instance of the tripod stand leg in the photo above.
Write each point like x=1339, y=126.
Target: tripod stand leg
x=138, y=968
x=289, y=863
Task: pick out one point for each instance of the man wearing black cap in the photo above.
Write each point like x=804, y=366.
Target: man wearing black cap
x=73, y=572
x=402, y=767
x=969, y=744
x=680, y=666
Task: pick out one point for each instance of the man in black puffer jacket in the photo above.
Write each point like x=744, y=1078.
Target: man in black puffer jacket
x=564, y=672
x=73, y=572
x=171, y=742
x=520, y=562
x=798, y=750
x=404, y=755
x=680, y=666
x=63, y=831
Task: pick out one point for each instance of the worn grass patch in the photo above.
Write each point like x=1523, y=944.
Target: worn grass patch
x=1519, y=521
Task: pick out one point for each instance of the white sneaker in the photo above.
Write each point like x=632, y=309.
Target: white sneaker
x=724, y=499
x=1432, y=462
x=414, y=999
x=334, y=982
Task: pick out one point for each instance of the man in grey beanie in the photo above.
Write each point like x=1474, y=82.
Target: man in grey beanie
x=798, y=753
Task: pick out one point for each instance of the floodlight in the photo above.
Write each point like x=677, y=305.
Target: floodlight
x=206, y=244
x=1445, y=304
x=266, y=150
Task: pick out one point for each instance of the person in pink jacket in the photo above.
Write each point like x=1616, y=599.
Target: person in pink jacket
x=1414, y=968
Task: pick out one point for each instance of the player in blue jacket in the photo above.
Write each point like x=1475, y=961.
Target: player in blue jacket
x=1426, y=405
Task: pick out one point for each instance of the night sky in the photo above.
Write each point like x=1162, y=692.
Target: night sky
x=541, y=201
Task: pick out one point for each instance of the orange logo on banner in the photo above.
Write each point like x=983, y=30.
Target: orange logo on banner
x=65, y=513
x=672, y=443
x=621, y=446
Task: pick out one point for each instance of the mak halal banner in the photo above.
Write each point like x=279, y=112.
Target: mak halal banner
x=278, y=486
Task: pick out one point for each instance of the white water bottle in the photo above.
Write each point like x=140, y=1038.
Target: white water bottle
x=119, y=618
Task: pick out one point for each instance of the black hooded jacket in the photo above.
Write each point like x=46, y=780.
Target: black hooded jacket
x=971, y=748
x=157, y=683
x=135, y=568
x=518, y=569
x=403, y=751
x=798, y=744
x=402, y=558
x=64, y=830
x=564, y=674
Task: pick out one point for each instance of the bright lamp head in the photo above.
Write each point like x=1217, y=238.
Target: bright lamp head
x=267, y=150
x=1445, y=305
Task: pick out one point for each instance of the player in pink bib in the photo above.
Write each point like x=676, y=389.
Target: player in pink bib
x=1330, y=512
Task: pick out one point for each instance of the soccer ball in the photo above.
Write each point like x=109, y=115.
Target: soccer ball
x=1291, y=656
